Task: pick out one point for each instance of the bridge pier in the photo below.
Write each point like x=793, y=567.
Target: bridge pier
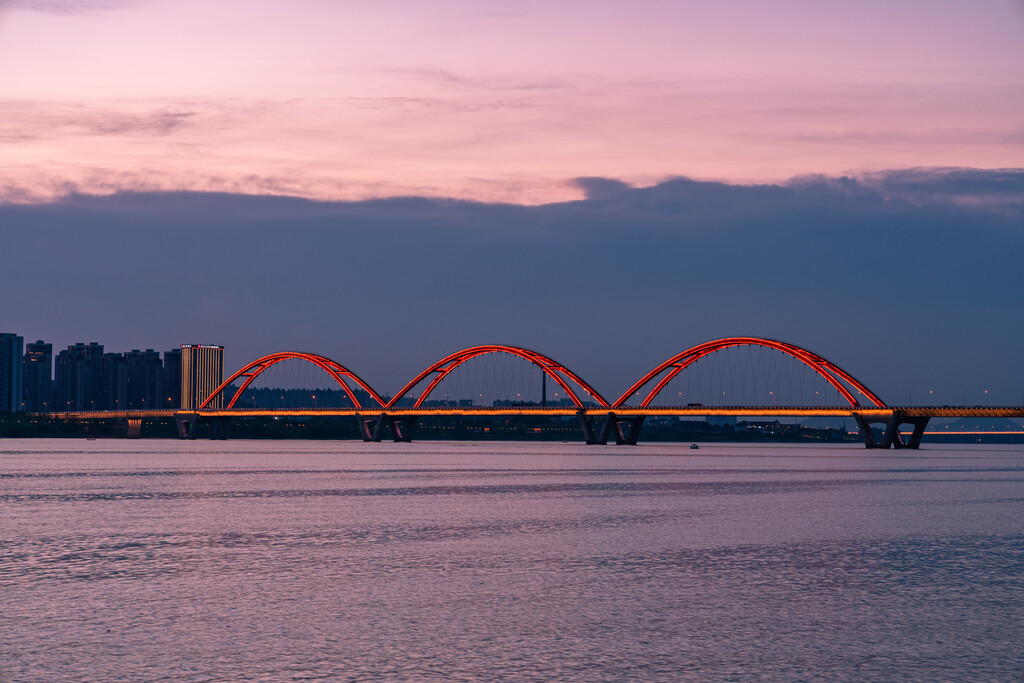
x=402, y=427
x=372, y=427
x=587, y=425
x=891, y=436
x=218, y=427
x=189, y=425
x=630, y=437
x=186, y=425
x=134, y=428
x=625, y=430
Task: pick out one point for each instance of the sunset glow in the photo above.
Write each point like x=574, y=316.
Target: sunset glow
x=341, y=100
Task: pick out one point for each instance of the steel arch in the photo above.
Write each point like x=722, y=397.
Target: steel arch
x=828, y=370
x=553, y=369
x=253, y=370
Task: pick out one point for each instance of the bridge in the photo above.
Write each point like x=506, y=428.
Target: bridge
x=601, y=421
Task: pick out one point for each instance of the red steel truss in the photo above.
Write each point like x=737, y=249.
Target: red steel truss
x=564, y=377
x=253, y=370
x=679, y=362
x=556, y=371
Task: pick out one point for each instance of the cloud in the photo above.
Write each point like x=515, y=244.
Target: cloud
x=67, y=6
x=599, y=188
x=445, y=77
x=24, y=121
x=996, y=189
x=940, y=182
x=884, y=274
x=853, y=136
x=435, y=103
x=159, y=122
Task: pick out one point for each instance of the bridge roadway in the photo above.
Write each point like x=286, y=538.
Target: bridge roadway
x=687, y=411
x=623, y=424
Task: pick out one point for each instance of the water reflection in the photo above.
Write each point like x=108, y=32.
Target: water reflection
x=512, y=561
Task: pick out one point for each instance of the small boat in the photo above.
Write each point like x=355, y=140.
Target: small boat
x=694, y=446
x=91, y=438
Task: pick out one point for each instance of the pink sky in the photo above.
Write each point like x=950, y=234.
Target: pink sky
x=498, y=101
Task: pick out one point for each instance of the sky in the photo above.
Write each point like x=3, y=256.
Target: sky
x=912, y=281
x=496, y=101
x=605, y=182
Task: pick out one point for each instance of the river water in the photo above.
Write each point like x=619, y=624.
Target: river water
x=261, y=560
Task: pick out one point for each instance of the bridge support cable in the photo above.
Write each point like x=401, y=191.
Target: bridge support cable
x=339, y=373
x=561, y=375
x=891, y=436
x=668, y=370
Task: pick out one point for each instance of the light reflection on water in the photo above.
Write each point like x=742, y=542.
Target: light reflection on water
x=202, y=561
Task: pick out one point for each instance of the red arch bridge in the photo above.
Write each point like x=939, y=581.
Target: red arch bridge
x=601, y=420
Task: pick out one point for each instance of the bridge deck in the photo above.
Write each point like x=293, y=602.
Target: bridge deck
x=626, y=411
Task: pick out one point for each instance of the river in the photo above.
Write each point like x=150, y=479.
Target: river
x=303, y=560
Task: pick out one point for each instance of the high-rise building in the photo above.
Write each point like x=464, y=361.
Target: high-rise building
x=80, y=378
x=145, y=379
x=115, y=383
x=10, y=372
x=37, y=377
x=202, y=371
x=171, y=397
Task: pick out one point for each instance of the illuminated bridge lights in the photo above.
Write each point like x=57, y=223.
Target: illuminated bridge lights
x=598, y=417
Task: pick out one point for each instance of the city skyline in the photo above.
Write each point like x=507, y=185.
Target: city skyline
x=86, y=376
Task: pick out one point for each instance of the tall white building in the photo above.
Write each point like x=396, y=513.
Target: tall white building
x=202, y=371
